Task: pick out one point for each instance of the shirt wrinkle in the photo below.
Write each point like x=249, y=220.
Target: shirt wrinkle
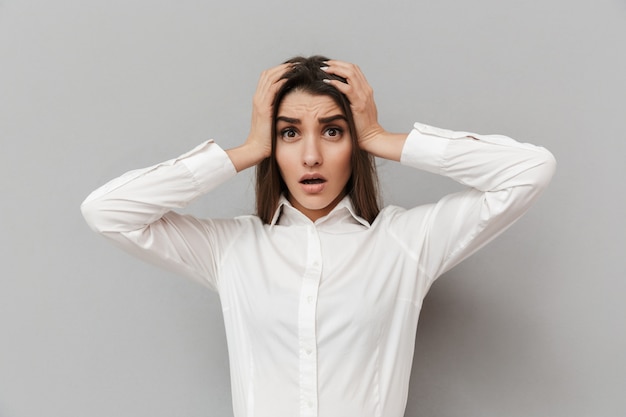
x=226, y=252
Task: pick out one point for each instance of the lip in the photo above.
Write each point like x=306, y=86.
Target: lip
x=312, y=176
x=315, y=188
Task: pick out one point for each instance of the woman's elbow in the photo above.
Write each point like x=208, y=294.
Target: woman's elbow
x=545, y=169
x=92, y=214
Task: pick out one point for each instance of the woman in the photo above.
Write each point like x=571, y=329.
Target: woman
x=320, y=291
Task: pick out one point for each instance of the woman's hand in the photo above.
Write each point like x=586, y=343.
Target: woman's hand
x=361, y=96
x=371, y=135
x=258, y=145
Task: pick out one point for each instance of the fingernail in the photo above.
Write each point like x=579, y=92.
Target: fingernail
x=324, y=68
x=326, y=80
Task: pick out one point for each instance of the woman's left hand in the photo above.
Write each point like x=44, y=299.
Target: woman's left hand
x=371, y=135
x=361, y=97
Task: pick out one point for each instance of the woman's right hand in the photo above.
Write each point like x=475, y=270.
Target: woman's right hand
x=258, y=145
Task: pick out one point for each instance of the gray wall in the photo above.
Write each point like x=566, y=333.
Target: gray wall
x=533, y=325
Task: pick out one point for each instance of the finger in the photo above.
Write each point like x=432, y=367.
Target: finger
x=273, y=75
x=271, y=80
x=350, y=72
x=344, y=88
x=355, y=87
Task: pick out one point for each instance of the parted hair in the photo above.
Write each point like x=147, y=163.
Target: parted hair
x=362, y=187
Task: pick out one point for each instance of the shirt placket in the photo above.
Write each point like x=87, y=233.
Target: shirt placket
x=307, y=327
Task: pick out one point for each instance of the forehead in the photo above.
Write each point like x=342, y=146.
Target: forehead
x=300, y=103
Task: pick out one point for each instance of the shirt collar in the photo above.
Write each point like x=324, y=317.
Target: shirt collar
x=286, y=214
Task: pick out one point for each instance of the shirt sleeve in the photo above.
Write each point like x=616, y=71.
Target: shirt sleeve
x=504, y=177
x=135, y=211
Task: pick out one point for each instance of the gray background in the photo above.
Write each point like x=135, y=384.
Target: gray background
x=533, y=325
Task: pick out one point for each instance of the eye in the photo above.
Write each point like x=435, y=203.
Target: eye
x=288, y=134
x=334, y=132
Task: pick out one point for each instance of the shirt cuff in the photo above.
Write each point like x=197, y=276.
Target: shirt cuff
x=425, y=147
x=209, y=164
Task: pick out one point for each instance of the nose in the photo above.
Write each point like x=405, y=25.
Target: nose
x=311, y=152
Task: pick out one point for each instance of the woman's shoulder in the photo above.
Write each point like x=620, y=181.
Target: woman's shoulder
x=237, y=222
x=220, y=228
x=392, y=211
x=401, y=219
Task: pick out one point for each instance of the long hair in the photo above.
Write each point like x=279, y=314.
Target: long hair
x=362, y=187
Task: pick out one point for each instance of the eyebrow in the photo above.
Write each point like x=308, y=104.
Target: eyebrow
x=322, y=120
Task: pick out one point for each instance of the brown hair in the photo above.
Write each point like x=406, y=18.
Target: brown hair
x=362, y=187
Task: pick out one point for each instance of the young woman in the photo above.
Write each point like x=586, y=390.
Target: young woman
x=321, y=291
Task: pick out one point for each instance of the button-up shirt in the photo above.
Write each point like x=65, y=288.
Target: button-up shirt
x=321, y=316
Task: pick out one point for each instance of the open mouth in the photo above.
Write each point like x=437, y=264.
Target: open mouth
x=313, y=181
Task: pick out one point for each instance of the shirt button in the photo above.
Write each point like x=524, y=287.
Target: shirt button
x=310, y=299
x=308, y=352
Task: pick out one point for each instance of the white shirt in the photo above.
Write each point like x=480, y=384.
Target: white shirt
x=321, y=317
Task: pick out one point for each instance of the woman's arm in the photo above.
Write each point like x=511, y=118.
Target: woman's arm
x=136, y=212
x=504, y=178
x=136, y=209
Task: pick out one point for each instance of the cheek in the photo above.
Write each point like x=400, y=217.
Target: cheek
x=344, y=162
x=283, y=161
x=346, y=156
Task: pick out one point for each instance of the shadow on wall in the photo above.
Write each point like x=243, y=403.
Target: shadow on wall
x=478, y=351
